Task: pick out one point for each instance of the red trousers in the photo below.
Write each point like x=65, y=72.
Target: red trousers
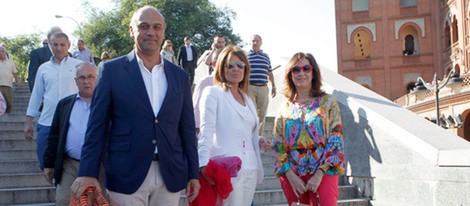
x=328, y=191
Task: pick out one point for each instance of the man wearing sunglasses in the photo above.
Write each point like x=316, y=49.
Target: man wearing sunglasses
x=260, y=73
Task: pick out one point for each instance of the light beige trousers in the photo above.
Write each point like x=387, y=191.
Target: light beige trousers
x=69, y=174
x=152, y=192
x=260, y=96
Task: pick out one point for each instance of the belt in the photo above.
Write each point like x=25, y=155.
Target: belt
x=155, y=157
x=73, y=158
x=259, y=85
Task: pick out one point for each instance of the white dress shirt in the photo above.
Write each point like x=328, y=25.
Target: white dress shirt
x=77, y=128
x=155, y=84
x=189, y=53
x=53, y=82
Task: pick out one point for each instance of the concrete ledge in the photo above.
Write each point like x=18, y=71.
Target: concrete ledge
x=432, y=142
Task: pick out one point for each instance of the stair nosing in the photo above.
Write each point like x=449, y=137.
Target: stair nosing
x=25, y=188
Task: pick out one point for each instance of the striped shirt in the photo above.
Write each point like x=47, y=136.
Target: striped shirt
x=260, y=66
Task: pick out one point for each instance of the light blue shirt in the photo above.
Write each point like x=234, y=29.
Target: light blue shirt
x=84, y=55
x=77, y=128
x=189, y=53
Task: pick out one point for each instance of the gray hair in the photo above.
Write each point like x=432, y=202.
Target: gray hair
x=59, y=34
x=82, y=65
x=4, y=49
x=52, y=31
x=257, y=35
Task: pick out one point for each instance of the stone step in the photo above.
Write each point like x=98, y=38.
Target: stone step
x=17, y=111
x=269, y=197
x=276, y=196
x=22, y=180
x=17, y=143
x=19, y=93
x=351, y=202
x=19, y=166
x=35, y=204
x=22, y=99
x=269, y=183
x=12, y=134
x=268, y=157
x=28, y=195
x=19, y=107
x=13, y=117
x=18, y=154
x=11, y=125
x=354, y=202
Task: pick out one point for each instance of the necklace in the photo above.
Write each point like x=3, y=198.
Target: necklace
x=303, y=105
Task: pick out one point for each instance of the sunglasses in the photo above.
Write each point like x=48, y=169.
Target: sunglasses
x=240, y=65
x=297, y=69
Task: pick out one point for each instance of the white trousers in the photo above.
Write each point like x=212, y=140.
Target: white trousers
x=243, y=190
x=152, y=192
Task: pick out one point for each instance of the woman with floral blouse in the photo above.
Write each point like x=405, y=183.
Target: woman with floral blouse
x=308, y=138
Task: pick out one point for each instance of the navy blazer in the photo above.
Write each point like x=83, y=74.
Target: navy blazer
x=36, y=58
x=183, y=56
x=55, y=151
x=122, y=124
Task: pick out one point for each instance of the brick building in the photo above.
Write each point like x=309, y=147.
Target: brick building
x=386, y=45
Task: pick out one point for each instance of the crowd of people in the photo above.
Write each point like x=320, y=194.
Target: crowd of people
x=132, y=128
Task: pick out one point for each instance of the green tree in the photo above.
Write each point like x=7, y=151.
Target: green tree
x=19, y=48
x=199, y=19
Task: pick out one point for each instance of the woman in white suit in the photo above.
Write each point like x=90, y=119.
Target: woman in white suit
x=229, y=124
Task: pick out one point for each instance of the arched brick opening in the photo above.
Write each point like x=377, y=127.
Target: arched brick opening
x=455, y=30
x=362, y=38
x=464, y=131
x=409, y=87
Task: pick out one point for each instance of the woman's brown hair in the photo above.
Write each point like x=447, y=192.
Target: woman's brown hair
x=290, y=91
x=221, y=65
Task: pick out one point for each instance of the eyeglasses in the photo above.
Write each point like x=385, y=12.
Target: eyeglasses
x=240, y=65
x=297, y=69
x=83, y=78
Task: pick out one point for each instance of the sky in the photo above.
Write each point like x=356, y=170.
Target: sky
x=286, y=27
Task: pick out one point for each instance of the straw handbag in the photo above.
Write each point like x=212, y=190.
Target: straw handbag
x=90, y=197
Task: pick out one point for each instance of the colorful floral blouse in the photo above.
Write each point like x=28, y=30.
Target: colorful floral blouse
x=310, y=137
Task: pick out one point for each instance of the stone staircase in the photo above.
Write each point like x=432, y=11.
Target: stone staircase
x=22, y=183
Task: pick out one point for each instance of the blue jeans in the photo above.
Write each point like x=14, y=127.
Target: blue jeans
x=41, y=142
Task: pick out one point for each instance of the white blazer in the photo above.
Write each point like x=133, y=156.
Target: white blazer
x=222, y=126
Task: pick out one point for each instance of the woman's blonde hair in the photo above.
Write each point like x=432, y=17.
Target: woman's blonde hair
x=290, y=91
x=221, y=65
x=105, y=55
x=165, y=44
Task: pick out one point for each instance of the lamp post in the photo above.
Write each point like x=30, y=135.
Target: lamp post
x=68, y=17
x=453, y=80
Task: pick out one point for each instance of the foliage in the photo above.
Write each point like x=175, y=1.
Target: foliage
x=199, y=19
x=19, y=48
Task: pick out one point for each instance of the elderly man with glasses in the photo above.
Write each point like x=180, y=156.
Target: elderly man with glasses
x=67, y=134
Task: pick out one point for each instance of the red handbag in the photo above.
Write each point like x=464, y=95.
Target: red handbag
x=90, y=197
x=232, y=164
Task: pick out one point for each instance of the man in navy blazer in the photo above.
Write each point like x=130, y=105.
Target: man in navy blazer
x=38, y=57
x=187, y=58
x=142, y=118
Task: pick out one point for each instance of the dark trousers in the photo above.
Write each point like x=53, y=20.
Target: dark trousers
x=190, y=67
